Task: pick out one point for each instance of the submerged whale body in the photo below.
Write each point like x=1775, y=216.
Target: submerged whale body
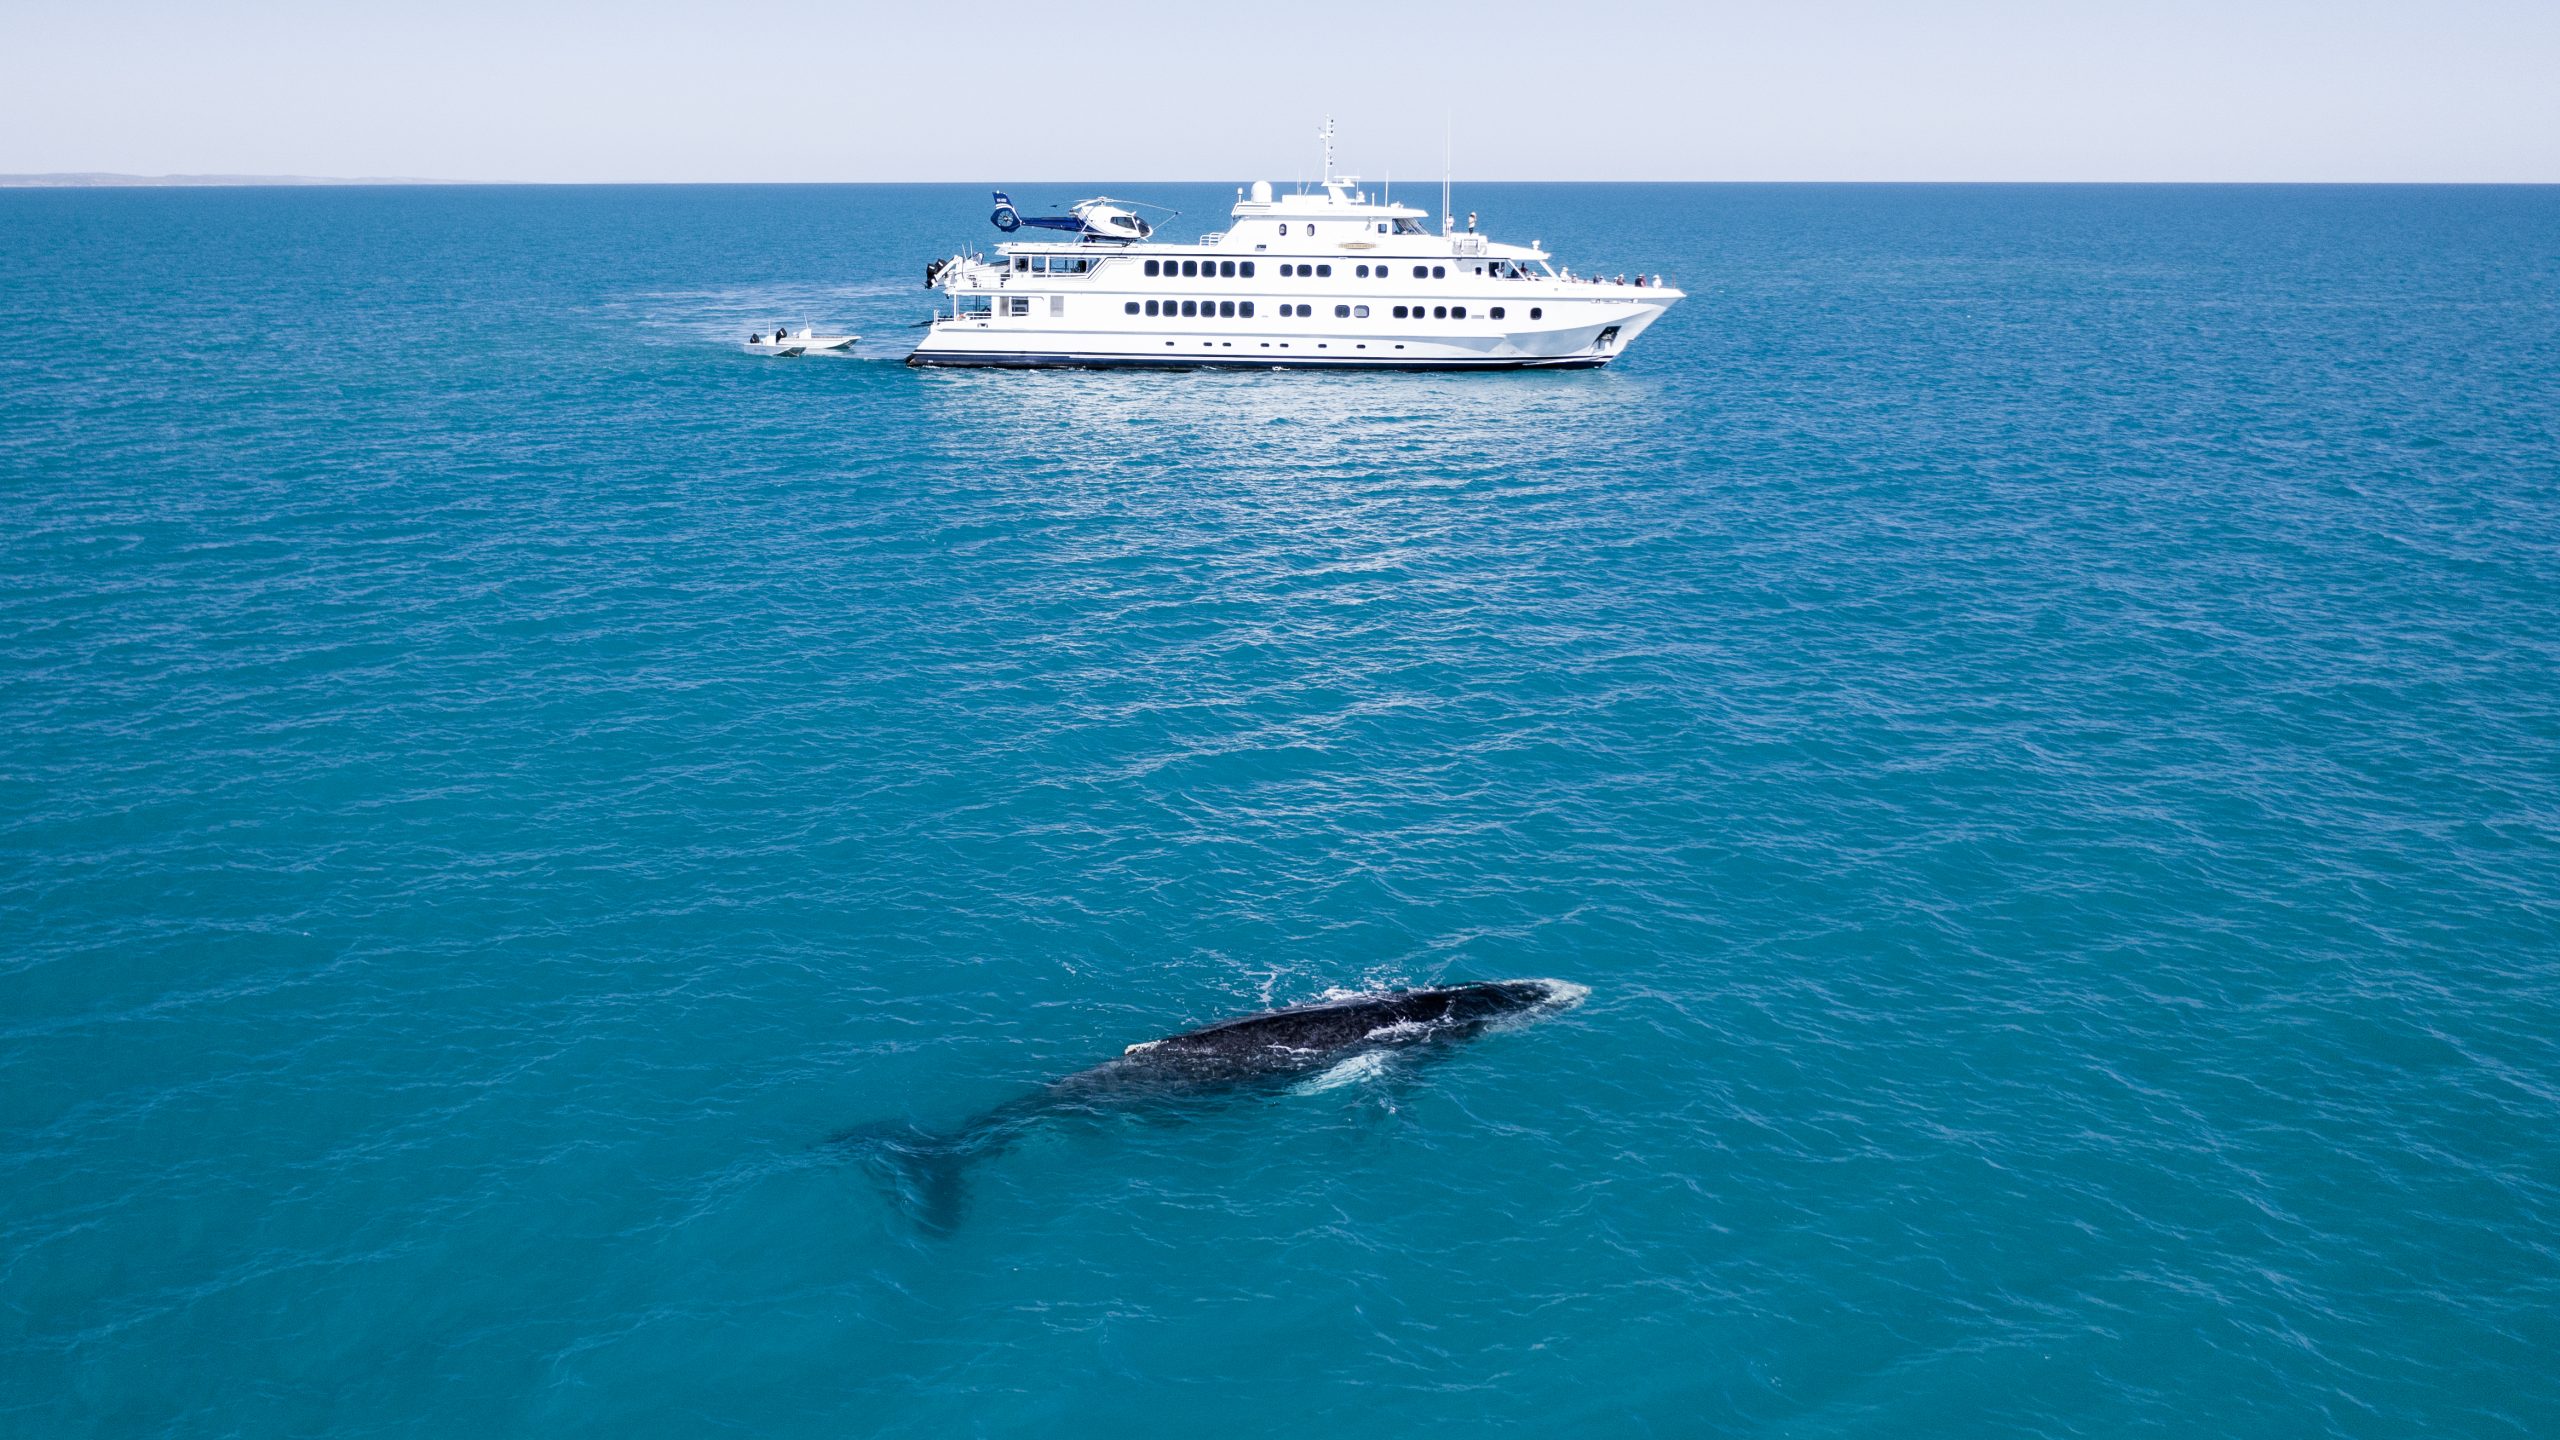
x=926, y=1171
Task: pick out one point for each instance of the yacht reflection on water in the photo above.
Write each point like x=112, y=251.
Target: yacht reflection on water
x=1420, y=431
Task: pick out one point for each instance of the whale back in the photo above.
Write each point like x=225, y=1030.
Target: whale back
x=1306, y=1037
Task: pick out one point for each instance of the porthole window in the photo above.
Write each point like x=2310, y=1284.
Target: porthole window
x=1421, y=272
x=1439, y=272
x=1324, y=272
x=1311, y=227
x=1247, y=272
x=1151, y=307
x=1227, y=269
x=1190, y=268
x=1497, y=312
x=1245, y=309
x=1129, y=309
x=1399, y=312
x=1284, y=227
x=1457, y=312
x=1151, y=268
x=1360, y=312
x=1226, y=309
x=1287, y=270
x=1439, y=312
x=1362, y=272
x=1341, y=312
x=1190, y=308
x=1537, y=312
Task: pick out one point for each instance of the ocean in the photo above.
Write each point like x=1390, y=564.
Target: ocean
x=2035, y=710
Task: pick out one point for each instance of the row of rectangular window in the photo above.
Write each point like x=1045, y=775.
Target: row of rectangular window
x=1363, y=272
x=1243, y=270
x=1202, y=269
x=1403, y=227
x=1227, y=269
x=1243, y=310
x=1201, y=309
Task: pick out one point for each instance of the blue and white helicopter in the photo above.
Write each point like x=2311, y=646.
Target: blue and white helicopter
x=1101, y=218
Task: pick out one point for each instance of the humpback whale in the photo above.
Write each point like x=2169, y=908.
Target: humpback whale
x=925, y=1170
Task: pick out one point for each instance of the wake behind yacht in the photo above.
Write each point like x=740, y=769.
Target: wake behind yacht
x=1324, y=278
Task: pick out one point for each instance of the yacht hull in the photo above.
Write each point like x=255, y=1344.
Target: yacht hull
x=1056, y=360
x=1588, y=341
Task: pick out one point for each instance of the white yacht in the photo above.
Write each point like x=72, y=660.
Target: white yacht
x=1324, y=278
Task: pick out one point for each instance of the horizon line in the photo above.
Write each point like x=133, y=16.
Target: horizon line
x=115, y=180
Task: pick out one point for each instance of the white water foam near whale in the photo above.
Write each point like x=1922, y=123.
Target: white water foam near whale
x=1367, y=1065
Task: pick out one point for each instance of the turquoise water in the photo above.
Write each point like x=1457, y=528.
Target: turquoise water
x=2035, y=711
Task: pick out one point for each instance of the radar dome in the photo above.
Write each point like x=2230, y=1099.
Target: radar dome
x=1261, y=192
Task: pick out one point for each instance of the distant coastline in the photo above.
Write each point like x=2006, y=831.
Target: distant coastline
x=99, y=179
x=107, y=180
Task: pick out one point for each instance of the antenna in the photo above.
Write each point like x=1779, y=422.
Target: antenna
x=1448, y=148
x=1326, y=135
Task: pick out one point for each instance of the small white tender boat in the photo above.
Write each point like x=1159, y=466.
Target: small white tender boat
x=797, y=342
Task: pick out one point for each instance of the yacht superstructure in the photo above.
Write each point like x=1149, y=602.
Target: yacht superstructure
x=1324, y=278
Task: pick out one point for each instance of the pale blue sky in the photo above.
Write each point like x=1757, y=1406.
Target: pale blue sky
x=791, y=90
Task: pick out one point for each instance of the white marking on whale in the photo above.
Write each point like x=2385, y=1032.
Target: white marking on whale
x=1366, y=1065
